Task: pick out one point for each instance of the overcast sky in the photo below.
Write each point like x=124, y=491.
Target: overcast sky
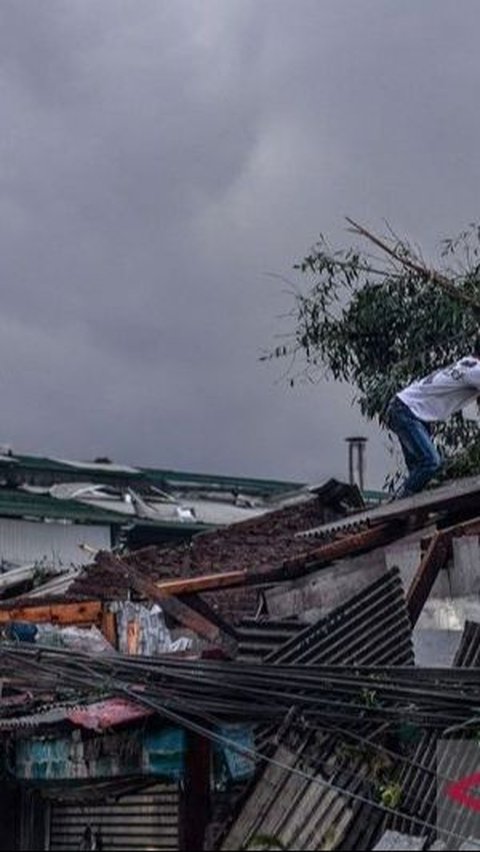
x=160, y=160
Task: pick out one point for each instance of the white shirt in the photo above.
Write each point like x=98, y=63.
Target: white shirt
x=444, y=392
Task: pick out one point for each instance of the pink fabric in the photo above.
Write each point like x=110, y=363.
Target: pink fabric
x=108, y=713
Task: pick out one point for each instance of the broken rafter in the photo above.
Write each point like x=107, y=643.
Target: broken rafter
x=435, y=558
x=174, y=607
x=348, y=545
x=433, y=561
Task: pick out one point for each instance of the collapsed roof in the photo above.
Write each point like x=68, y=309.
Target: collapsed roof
x=348, y=726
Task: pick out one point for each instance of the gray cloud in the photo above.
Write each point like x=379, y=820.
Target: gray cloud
x=158, y=161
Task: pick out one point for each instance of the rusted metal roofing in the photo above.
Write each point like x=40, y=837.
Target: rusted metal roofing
x=264, y=542
x=306, y=797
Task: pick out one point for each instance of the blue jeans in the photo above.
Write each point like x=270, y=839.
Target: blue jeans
x=421, y=455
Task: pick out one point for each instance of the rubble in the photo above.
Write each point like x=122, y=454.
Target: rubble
x=278, y=656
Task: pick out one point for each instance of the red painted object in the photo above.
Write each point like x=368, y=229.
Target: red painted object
x=458, y=792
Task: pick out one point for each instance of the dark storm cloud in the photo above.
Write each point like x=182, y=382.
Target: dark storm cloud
x=158, y=159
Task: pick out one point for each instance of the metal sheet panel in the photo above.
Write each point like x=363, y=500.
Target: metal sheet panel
x=257, y=639
x=418, y=779
x=23, y=542
x=138, y=821
x=294, y=805
x=372, y=628
x=468, y=654
x=457, y=494
x=299, y=809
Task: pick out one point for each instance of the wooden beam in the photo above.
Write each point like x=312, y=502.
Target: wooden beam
x=175, y=607
x=199, y=604
x=203, y=583
x=109, y=626
x=435, y=558
x=349, y=544
x=86, y=612
x=427, y=572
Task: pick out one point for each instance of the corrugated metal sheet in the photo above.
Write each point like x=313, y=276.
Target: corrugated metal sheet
x=459, y=494
x=377, y=613
x=468, y=653
x=295, y=808
x=49, y=716
x=459, y=824
x=96, y=715
x=418, y=787
x=302, y=813
x=145, y=820
x=372, y=628
x=284, y=808
x=257, y=639
x=23, y=542
x=19, y=503
x=418, y=781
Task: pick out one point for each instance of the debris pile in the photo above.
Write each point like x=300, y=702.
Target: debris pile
x=273, y=666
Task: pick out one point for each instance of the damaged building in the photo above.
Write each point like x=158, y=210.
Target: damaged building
x=303, y=675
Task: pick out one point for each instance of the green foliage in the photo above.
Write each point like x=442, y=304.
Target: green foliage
x=377, y=325
x=369, y=696
x=391, y=795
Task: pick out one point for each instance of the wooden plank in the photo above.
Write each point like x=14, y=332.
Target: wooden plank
x=86, y=612
x=133, y=637
x=261, y=799
x=435, y=558
x=196, y=622
x=203, y=583
x=109, y=627
x=349, y=544
x=184, y=614
x=200, y=605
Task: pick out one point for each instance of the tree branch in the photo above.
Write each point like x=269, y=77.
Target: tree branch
x=429, y=274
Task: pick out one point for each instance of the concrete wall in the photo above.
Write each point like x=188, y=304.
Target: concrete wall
x=319, y=593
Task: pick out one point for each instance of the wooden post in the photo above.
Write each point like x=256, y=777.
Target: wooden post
x=109, y=626
x=195, y=809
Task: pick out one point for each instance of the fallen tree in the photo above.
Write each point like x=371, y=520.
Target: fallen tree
x=378, y=320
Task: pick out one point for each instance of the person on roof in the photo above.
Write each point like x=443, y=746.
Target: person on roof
x=413, y=410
